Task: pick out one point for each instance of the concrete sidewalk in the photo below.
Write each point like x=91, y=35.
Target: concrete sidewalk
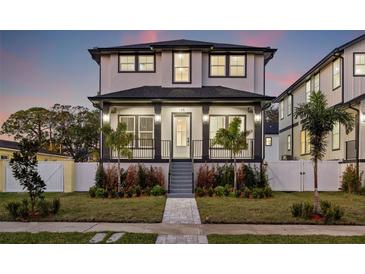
x=184, y=229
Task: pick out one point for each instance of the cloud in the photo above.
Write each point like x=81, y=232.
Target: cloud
x=144, y=36
x=263, y=38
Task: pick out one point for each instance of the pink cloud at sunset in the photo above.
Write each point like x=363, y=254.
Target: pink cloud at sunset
x=143, y=36
x=263, y=38
x=282, y=80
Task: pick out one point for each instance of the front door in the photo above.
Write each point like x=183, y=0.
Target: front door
x=181, y=135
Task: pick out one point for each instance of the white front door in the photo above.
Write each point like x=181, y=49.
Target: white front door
x=181, y=135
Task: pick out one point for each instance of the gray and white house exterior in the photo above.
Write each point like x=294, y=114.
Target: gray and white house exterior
x=340, y=75
x=174, y=96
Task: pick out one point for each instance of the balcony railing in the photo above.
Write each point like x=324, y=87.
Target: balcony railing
x=351, y=150
x=218, y=152
x=141, y=149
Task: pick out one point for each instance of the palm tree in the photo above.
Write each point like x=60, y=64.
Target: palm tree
x=118, y=140
x=233, y=139
x=318, y=120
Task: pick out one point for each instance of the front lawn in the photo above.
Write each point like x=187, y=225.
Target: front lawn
x=79, y=207
x=71, y=238
x=284, y=239
x=276, y=210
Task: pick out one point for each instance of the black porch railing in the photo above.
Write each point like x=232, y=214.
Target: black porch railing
x=350, y=150
x=218, y=152
x=140, y=148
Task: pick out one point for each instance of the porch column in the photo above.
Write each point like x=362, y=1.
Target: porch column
x=205, y=155
x=157, y=136
x=105, y=119
x=258, y=132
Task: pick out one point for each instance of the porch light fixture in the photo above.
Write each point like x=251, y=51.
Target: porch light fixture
x=257, y=118
x=106, y=117
x=157, y=118
x=205, y=118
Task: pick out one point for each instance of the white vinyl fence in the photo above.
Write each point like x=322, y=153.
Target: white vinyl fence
x=85, y=175
x=298, y=175
x=50, y=172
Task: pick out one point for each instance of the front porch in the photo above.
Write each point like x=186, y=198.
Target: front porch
x=165, y=132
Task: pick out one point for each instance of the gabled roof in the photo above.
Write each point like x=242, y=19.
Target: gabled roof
x=181, y=44
x=324, y=61
x=157, y=93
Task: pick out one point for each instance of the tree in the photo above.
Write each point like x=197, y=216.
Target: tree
x=24, y=166
x=118, y=140
x=32, y=124
x=318, y=120
x=233, y=139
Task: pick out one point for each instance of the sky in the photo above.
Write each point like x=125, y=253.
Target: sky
x=41, y=68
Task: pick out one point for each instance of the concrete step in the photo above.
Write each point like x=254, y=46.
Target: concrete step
x=180, y=177
x=180, y=195
x=181, y=190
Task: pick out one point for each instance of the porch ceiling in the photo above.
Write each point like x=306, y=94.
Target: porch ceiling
x=158, y=93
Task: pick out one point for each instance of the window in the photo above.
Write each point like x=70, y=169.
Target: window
x=307, y=90
x=288, y=142
x=145, y=131
x=316, y=82
x=289, y=104
x=130, y=123
x=146, y=62
x=182, y=67
x=243, y=122
x=4, y=157
x=336, y=74
x=304, y=142
x=217, y=65
x=127, y=63
x=282, y=109
x=336, y=136
x=268, y=141
x=216, y=122
x=237, y=66
x=181, y=128
x=359, y=64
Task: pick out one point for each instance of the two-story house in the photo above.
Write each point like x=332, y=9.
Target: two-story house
x=340, y=75
x=175, y=95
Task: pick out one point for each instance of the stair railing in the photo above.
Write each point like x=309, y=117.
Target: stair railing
x=170, y=160
x=192, y=165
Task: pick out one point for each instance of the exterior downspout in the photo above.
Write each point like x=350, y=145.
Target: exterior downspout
x=357, y=136
x=292, y=125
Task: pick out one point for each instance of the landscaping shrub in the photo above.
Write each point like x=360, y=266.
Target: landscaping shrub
x=227, y=190
x=296, y=210
x=111, y=179
x=12, y=208
x=255, y=193
x=18, y=209
x=267, y=191
x=24, y=209
x=142, y=176
x=246, y=192
x=362, y=190
x=101, y=193
x=224, y=175
x=130, y=192
x=219, y=191
x=338, y=212
x=100, y=177
x=307, y=210
x=155, y=176
x=199, y=192
x=237, y=193
x=92, y=191
x=331, y=212
x=43, y=207
x=158, y=191
x=210, y=192
x=351, y=181
x=131, y=178
x=121, y=193
x=55, y=206
x=138, y=190
x=241, y=176
x=147, y=191
x=206, y=177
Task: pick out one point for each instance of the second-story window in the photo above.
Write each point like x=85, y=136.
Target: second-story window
x=289, y=104
x=316, y=82
x=181, y=67
x=336, y=74
x=127, y=63
x=237, y=65
x=282, y=109
x=307, y=90
x=146, y=62
x=359, y=64
x=336, y=136
x=217, y=65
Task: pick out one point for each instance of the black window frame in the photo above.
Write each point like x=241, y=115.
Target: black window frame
x=354, y=65
x=227, y=68
x=340, y=73
x=136, y=63
x=190, y=66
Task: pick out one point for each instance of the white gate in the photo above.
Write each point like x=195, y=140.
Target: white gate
x=50, y=172
x=298, y=175
x=85, y=176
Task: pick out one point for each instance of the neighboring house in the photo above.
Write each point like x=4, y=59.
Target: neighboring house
x=271, y=141
x=340, y=75
x=7, y=148
x=175, y=95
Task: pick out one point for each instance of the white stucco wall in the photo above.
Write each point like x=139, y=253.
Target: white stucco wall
x=272, y=152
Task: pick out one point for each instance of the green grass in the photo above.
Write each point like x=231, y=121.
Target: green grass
x=284, y=239
x=276, y=210
x=79, y=207
x=71, y=238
